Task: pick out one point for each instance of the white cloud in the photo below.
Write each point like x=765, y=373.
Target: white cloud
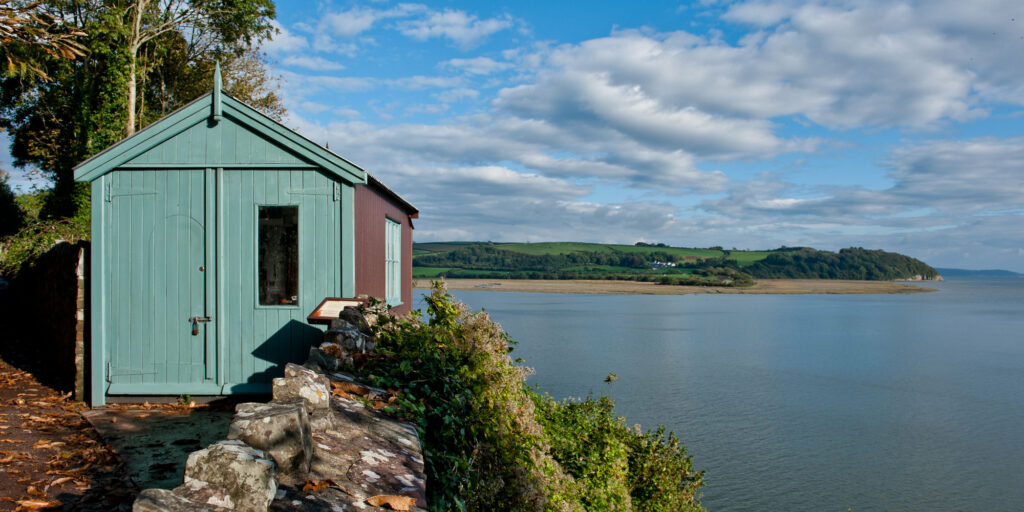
x=424, y=82
x=349, y=23
x=284, y=41
x=454, y=95
x=315, y=63
x=466, y=30
x=314, y=107
x=346, y=113
x=652, y=115
x=477, y=65
x=937, y=185
x=435, y=109
x=355, y=21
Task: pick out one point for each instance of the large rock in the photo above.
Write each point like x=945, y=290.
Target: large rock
x=245, y=473
x=280, y=429
x=199, y=491
x=162, y=500
x=354, y=317
x=329, y=357
x=348, y=337
x=301, y=383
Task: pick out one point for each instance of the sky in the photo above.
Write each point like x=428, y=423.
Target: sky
x=886, y=125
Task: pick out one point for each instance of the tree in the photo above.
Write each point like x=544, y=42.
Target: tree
x=27, y=34
x=11, y=216
x=86, y=105
x=212, y=26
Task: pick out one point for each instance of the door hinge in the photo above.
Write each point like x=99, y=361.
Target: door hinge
x=337, y=191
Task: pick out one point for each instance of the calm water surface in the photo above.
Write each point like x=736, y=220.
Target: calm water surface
x=804, y=402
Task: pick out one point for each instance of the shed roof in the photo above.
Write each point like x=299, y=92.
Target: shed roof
x=207, y=118
x=391, y=194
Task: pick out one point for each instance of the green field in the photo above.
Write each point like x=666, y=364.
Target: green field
x=542, y=248
x=428, y=271
x=745, y=258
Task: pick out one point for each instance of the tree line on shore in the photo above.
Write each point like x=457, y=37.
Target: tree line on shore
x=486, y=260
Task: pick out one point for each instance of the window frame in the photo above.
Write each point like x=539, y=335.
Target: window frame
x=256, y=255
x=392, y=262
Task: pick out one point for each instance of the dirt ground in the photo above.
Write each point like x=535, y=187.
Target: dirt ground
x=763, y=286
x=51, y=458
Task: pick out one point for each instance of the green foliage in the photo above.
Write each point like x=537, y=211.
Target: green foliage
x=616, y=467
x=490, y=261
x=11, y=215
x=658, y=263
x=81, y=108
x=491, y=443
x=588, y=441
x=852, y=263
x=20, y=249
x=661, y=475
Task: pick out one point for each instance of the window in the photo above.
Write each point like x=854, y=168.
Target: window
x=278, y=255
x=393, y=262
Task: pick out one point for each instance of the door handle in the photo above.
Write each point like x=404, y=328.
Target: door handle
x=196, y=320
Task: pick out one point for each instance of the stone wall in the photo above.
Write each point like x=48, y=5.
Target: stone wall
x=321, y=444
x=45, y=320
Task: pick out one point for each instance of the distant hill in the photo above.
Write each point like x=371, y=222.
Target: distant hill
x=959, y=272
x=657, y=262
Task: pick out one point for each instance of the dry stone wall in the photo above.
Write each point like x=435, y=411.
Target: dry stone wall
x=308, y=449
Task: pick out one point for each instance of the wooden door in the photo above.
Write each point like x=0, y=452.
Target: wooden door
x=160, y=341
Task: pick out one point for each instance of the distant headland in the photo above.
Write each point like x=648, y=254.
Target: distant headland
x=681, y=267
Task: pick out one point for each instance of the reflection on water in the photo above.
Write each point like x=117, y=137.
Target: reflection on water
x=804, y=402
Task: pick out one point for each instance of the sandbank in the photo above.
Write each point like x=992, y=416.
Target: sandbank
x=763, y=286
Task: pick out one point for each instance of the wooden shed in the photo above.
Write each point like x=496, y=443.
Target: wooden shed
x=215, y=231
x=384, y=245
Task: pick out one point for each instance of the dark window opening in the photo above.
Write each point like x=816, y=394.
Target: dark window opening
x=279, y=255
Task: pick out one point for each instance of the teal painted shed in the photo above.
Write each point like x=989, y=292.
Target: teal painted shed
x=215, y=231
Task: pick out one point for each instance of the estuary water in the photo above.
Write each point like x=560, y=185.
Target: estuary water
x=804, y=402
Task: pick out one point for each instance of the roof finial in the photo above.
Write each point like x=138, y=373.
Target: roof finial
x=216, y=92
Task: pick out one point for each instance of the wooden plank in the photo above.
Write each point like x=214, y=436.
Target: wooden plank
x=347, y=225
x=98, y=303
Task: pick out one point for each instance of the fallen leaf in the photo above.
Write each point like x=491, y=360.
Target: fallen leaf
x=38, y=504
x=348, y=387
x=60, y=481
x=393, y=502
x=333, y=350
x=42, y=443
x=316, y=485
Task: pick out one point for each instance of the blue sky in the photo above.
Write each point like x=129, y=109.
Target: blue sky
x=889, y=125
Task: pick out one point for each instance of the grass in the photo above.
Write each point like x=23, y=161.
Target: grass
x=745, y=258
x=428, y=271
x=541, y=248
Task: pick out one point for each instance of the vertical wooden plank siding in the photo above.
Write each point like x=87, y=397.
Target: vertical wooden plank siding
x=372, y=210
x=98, y=301
x=153, y=243
x=175, y=237
x=348, y=246
x=261, y=339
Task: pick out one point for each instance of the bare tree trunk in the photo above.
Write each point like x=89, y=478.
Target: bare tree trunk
x=133, y=51
x=131, y=95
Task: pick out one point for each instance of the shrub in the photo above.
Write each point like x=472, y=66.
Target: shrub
x=491, y=443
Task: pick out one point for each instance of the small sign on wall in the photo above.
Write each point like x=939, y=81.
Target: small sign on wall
x=330, y=308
